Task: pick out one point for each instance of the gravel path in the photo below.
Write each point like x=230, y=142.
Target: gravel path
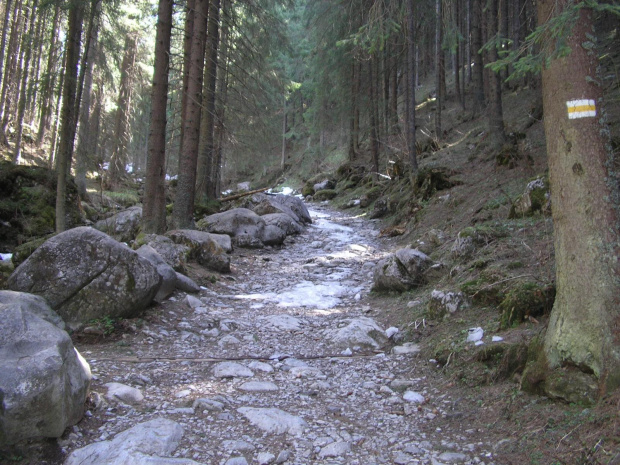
x=279, y=363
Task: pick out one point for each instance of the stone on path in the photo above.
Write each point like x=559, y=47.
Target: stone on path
x=335, y=449
x=283, y=322
x=273, y=420
x=231, y=370
x=406, y=348
x=362, y=331
x=148, y=443
x=258, y=386
x=124, y=393
x=414, y=397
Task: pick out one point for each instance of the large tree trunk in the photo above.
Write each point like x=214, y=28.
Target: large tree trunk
x=118, y=161
x=476, y=45
x=411, y=82
x=154, y=209
x=49, y=78
x=9, y=80
x=23, y=95
x=439, y=80
x=206, y=156
x=5, y=28
x=374, y=143
x=85, y=142
x=67, y=129
x=495, y=113
x=187, y=50
x=182, y=213
x=584, y=329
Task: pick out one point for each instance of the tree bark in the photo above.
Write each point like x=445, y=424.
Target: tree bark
x=182, y=213
x=154, y=204
x=5, y=27
x=476, y=45
x=85, y=145
x=374, y=143
x=47, y=86
x=9, y=78
x=439, y=81
x=23, y=94
x=495, y=114
x=206, y=156
x=584, y=328
x=187, y=50
x=411, y=83
x=118, y=160
x=67, y=129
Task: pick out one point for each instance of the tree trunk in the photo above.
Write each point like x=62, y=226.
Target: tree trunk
x=439, y=81
x=411, y=82
x=182, y=213
x=495, y=112
x=352, y=110
x=476, y=45
x=67, y=129
x=395, y=129
x=47, y=86
x=85, y=145
x=33, y=86
x=23, y=94
x=9, y=79
x=187, y=50
x=584, y=329
x=118, y=160
x=154, y=205
x=222, y=90
x=206, y=156
x=284, y=130
x=5, y=27
x=374, y=143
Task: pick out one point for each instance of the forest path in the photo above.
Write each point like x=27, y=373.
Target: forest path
x=259, y=370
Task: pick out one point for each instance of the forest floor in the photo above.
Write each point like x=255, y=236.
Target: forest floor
x=277, y=316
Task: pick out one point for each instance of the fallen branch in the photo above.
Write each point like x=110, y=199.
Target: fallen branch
x=243, y=194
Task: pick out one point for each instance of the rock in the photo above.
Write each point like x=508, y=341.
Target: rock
x=292, y=206
x=209, y=405
x=475, y=334
x=265, y=458
x=43, y=379
x=243, y=225
x=391, y=331
x=414, y=397
x=176, y=255
x=148, y=443
x=380, y=209
x=325, y=184
x=124, y=226
x=261, y=366
x=165, y=271
x=284, y=222
x=204, y=247
x=185, y=284
x=273, y=420
x=452, y=457
x=236, y=461
x=535, y=198
x=233, y=445
x=193, y=302
x=361, y=331
x=445, y=303
x=258, y=386
x=231, y=370
x=335, y=449
x=85, y=275
x=406, y=348
x=124, y=393
x=283, y=456
x=273, y=235
x=401, y=271
x=283, y=322
x=326, y=194
x=243, y=186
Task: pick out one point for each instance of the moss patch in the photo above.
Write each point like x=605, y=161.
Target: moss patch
x=526, y=299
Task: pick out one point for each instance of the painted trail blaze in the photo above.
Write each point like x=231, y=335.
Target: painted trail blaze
x=581, y=109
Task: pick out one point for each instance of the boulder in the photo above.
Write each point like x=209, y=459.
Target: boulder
x=204, y=247
x=273, y=235
x=85, y=275
x=148, y=443
x=167, y=273
x=186, y=284
x=175, y=255
x=445, y=303
x=362, y=331
x=401, y=271
x=325, y=184
x=124, y=226
x=243, y=225
x=264, y=204
x=535, y=198
x=284, y=222
x=43, y=379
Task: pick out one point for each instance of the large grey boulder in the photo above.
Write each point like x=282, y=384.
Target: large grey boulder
x=148, y=443
x=264, y=204
x=401, y=271
x=167, y=273
x=43, y=379
x=124, y=226
x=284, y=222
x=273, y=235
x=85, y=275
x=175, y=255
x=361, y=331
x=205, y=248
x=244, y=226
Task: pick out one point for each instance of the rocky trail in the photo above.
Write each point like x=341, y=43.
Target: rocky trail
x=284, y=361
